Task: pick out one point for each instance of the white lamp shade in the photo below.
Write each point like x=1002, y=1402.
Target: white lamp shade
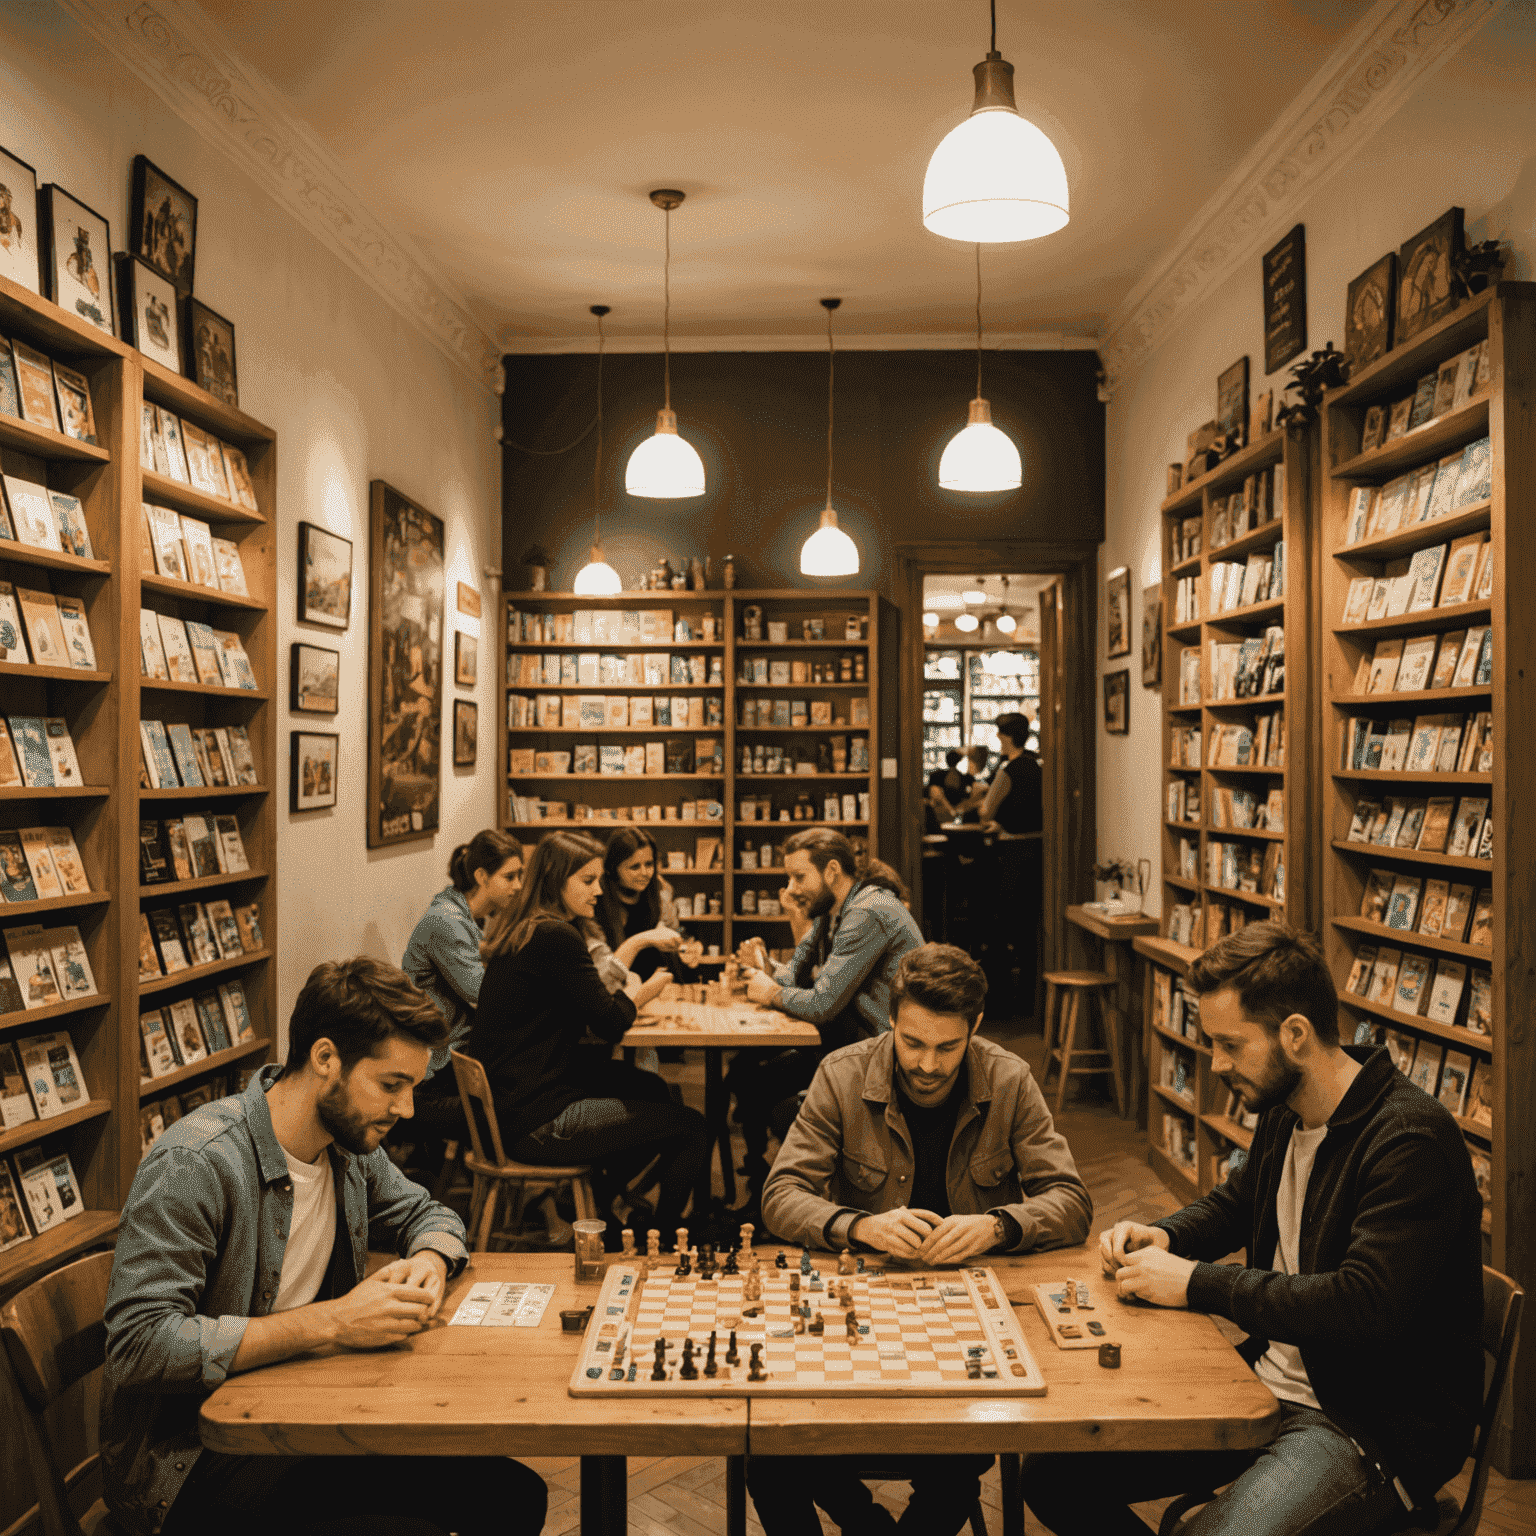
x=829, y=551
x=980, y=457
x=930, y=621
x=967, y=622
x=597, y=578
x=995, y=177
x=1007, y=623
x=665, y=465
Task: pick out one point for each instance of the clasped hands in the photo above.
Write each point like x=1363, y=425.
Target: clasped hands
x=392, y=1303
x=1136, y=1257
x=926, y=1237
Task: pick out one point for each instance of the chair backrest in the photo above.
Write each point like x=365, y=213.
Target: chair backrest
x=1503, y=1302
x=475, y=1095
x=55, y=1334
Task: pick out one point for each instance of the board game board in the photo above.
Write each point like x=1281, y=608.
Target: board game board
x=947, y=1333
x=1075, y=1319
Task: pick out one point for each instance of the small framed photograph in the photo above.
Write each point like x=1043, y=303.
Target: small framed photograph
x=76, y=245
x=1117, y=702
x=1369, y=311
x=312, y=770
x=164, y=219
x=469, y=600
x=466, y=729
x=1151, y=637
x=466, y=659
x=1232, y=398
x=1117, y=590
x=1424, y=291
x=210, y=344
x=150, y=305
x=18, y=222
x=325, y=565
x=315, y=687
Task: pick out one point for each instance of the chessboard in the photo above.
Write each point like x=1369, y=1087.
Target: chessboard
x=949, y=1333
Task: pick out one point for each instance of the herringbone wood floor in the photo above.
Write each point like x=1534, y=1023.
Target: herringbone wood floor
x=685, y=1496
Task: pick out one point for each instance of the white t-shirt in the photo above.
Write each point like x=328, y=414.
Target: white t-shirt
x=312, y=1235
x=1280, y=1367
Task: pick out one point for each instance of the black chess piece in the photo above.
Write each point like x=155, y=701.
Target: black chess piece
x=683, y=1266
x=781, y=1262
x=755, y=1368
x=731, y=1267
x=659, y=1370
x=688, y=1371
x=732, y=1356
x=710, y=1368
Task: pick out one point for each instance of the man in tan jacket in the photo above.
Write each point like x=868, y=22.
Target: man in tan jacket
x=931, y=1145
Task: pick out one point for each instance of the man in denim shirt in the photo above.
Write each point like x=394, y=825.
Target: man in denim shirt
x=838, y=979
x=244, y=1241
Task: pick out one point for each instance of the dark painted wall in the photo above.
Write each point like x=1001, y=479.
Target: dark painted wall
x=759, y=420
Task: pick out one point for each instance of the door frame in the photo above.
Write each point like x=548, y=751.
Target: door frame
x=1071, y=823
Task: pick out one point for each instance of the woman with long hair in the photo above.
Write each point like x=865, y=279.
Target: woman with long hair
x=540, y=998
x=636, y=910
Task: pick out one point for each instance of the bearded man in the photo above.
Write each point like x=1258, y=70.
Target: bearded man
x=1362, y=1296
x=244, y=1241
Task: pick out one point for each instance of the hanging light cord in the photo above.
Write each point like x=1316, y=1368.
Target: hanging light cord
x=666, y=313
x=994, y=26
x=597, y=468
x=831, y=370
x=978, y=317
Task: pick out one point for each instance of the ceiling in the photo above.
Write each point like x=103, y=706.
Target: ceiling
x=514, y=143
x=1022, y=590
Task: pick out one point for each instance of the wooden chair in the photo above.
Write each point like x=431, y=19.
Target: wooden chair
x=1009, y=1465
x=496, y=1174
x=1066, y=993
x=1502, y=1304
x=54, y=1335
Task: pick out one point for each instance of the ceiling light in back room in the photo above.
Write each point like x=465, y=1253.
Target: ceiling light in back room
x=597, y=578
x=967, y=622
x=829, y=551
x=995, y=177
x=665, y=465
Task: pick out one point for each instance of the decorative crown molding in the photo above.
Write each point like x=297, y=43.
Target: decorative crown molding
x=182, y=57
x=1365, y=80
x=516, y=343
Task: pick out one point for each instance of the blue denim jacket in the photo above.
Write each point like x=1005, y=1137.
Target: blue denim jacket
x=443, y=959
x=199, y=1251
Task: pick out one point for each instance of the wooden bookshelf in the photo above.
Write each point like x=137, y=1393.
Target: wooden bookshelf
x=729, y=692
x=102, y=707
x=1504, y=411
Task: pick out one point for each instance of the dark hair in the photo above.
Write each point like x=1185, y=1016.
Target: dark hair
x=612, y=910
x=1276, y=971
x=978, y=749
x=487, y=850
x=553, y=861
x=822, y=845
x=942, y=979
x=952, y=757
x=357, y=1005
x=878, y=873
x=1015, y=727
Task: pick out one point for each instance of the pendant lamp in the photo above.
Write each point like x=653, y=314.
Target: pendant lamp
x=665, y=465
x=829, y=551
x=980, y=457
x=996, y=176
x=597, y=578
x=1005, y=621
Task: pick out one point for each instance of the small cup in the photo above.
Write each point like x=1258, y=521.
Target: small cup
x=589, y=1250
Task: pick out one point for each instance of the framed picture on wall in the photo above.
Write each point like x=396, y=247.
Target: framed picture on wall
x=316, y=683
x=76, y=245
x=1117, y=590
x=1369, y=311
x=163, y=215
x=150, y=307
x=466, y=730
x=1151, y=637
x=1232, y=398
x=469, y=600
x=405, y=668
x=1117, y=702
x=466, y=659
x=210, y=343
x=1424, y=290
x=325, y=564
x=18, y=222
x=312, y=770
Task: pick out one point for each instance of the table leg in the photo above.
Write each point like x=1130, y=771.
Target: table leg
x=717, y=1119
x=604, y=1495
x=1119, y=1015
x=735, y=1496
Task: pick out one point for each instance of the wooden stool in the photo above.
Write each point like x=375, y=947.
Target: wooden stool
x=1070, y=988
x=498, y=1174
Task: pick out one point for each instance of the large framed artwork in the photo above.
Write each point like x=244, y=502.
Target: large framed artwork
x=405, y=668
x=1425, y=292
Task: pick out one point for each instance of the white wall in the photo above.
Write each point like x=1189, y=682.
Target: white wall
x=1467, y=137
x=354, y=393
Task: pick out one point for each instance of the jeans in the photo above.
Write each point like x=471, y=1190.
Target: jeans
x=1308, y=1481
x=629, y=1119
x=760, y=1080
x=357, y=1496
x=787, y=1490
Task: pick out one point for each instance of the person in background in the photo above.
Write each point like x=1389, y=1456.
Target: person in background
x=1014, y=808
x=1362, y=1292
x=976, y=757
x=636, y=910
x=838, y=978
x=935, y=1146
x=541, y=996
x=244, y=1241
x=947, y=789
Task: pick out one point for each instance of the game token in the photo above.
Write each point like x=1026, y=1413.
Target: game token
x=731, y=1355
x=1109, y=1356
x=627, y=1237
x=755, y=1369
x=781, y=1262
x=845, y=1262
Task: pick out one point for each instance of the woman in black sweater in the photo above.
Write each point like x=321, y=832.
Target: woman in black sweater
x=540, y=995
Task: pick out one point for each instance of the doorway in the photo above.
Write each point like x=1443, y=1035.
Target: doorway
x=1028, y=649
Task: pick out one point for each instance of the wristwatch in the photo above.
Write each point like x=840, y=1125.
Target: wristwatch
x=1000, y=1229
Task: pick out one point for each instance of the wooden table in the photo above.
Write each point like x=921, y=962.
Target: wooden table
x=502, y=1392
x=1114, y=958
x=672, y=1019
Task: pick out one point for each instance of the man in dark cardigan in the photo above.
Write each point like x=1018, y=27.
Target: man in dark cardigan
x=1362, y=1297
